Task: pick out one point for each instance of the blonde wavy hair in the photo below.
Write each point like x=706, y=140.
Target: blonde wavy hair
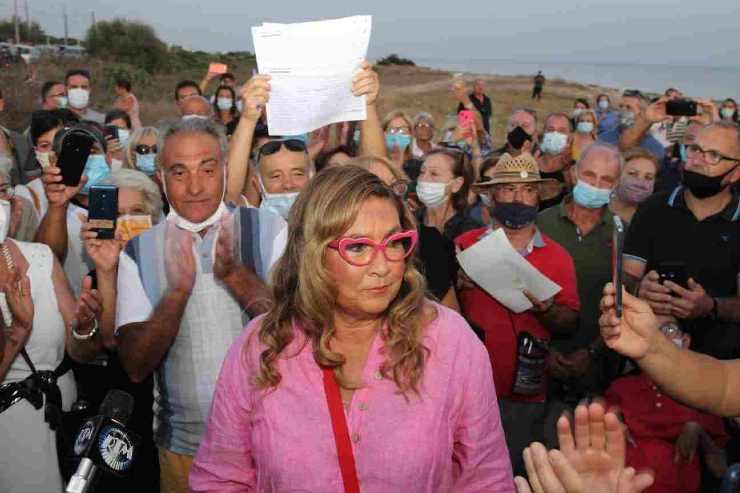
x=305, y=295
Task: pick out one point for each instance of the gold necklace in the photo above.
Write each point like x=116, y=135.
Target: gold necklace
x=4, y=308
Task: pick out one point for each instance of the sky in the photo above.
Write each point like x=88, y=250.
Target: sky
x=565, y=31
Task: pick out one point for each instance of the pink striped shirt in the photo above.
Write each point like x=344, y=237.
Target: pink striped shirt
x=447, y=439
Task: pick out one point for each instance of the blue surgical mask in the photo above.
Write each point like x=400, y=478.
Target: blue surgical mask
x=585, y=127
x=146, y=163
x=684, y=154
x=402, y=141
x=224, y=104
x=96, y=170
x=279, y=203
x=591, y=197
x=553, y=142
x=727, y=113
x=603, y=105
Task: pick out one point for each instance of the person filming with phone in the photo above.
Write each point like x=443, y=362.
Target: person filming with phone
x=682, y=252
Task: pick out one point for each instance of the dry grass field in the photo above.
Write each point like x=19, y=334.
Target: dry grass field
x=412, y=89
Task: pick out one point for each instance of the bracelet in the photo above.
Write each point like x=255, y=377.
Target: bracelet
x=89, y=335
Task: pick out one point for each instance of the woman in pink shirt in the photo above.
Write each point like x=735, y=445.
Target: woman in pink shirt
x=415, y=407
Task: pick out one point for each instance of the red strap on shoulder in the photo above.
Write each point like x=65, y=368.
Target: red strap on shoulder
x=341, y=433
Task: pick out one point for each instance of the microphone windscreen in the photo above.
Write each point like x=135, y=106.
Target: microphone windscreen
x=117, y=405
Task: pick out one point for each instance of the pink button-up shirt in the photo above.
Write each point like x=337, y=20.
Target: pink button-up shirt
x=447, y=439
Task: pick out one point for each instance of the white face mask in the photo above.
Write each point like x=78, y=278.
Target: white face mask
x=183, y=223
x=43, y=159
x=123, y=135
x=4, y=219
x=279, y=203
x=189, y=117
x=61, y=102
x=553, y=143
x=431, y=194
x=78, y=98
x=224, y=104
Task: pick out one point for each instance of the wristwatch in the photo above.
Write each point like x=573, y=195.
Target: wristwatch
x=89, y=335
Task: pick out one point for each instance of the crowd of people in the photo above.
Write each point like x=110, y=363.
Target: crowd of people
x=290, y=314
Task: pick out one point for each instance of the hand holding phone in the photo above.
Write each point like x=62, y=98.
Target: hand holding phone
x=466, y=119
x=617, y=267
x=103, y=210
x=218, y=68
x=681, y=107
x=76, y=148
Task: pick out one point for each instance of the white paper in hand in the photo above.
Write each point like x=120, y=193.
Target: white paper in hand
x=494, y=265
x=312, y=65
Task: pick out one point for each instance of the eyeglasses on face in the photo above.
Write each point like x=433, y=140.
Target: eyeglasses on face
x=709, y=156
x=362, y=251
x=398, y=130
x=273, y=146
x=145, y=149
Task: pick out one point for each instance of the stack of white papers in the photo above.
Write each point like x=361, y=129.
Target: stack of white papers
x=495, y=266
x=312, y=65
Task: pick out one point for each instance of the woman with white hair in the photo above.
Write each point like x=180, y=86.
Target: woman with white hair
x=423, y=135
x=139, y=207
x=141, y=151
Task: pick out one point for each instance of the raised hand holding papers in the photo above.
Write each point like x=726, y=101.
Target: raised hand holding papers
x=312, y=64
x=502, y=272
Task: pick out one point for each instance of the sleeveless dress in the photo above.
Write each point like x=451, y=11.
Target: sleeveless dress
x=28, y=457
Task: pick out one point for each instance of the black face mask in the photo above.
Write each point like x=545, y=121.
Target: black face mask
x=554, y=175
x=702, y=186
x=517, y=137
x=514, y=215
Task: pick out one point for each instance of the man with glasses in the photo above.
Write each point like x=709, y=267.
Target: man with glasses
x=282, y=164
x=53, y=95
x=682, y=252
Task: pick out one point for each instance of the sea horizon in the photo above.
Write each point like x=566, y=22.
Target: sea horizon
x=694, y=80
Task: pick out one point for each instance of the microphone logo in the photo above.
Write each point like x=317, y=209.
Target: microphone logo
x=116, y=448
x=84, y=436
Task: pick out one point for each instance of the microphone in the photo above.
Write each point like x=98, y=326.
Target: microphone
x=103, y=443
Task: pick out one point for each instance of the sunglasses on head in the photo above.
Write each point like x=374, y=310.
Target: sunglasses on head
x=273, y=146
x=145, y=149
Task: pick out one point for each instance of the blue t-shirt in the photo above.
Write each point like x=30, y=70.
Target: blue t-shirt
x=648, y=142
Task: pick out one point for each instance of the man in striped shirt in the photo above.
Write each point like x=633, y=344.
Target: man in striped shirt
x=187, y=287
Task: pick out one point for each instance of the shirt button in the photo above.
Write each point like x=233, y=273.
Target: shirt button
x=658, y=404
x=355, y=437
x=363, y=406
x=378, y=375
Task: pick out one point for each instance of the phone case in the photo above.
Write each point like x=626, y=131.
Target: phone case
x=103, y=210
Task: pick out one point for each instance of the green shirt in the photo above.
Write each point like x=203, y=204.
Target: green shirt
x=592, y=255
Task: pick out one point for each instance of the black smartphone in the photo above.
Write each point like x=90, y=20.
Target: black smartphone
x=103, y=210
x=110, y=131
x=76, y=149
x=681, y=107
x=675, y=272
x=617, y=267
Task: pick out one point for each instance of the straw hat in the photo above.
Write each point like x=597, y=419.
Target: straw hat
x=520, y=169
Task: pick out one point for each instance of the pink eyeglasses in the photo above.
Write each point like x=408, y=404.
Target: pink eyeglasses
x=362, y=251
